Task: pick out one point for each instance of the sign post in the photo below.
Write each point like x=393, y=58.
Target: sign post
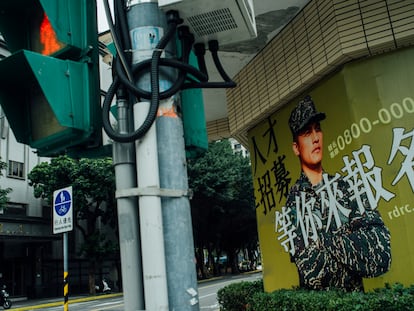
x=63, y=223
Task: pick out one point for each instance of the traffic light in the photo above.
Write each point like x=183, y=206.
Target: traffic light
x=49, y=85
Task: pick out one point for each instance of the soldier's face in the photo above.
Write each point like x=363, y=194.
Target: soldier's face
x=308, y=146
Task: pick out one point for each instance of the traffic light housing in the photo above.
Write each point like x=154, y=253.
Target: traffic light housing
x=49, y=85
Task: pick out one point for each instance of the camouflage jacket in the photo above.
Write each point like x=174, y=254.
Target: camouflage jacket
x=336, y=242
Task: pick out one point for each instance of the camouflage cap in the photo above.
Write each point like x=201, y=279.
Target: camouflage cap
x=304, y=113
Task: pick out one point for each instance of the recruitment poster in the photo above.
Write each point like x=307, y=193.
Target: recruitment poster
x=354, y=227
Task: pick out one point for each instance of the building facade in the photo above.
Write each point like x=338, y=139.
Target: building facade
x=354, y=60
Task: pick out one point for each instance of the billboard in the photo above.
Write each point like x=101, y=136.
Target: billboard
x=339, y=214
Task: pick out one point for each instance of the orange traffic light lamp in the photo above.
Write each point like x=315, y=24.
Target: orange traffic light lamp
x=48, y=39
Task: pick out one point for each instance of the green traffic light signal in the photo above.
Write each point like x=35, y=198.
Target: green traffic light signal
x=49, y=86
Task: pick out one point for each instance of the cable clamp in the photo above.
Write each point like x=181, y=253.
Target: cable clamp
x=152, y=191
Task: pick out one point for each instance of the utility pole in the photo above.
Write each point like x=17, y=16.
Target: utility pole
x=178, y=234
x=162, y=149
x=129, y=236
x=168, y=276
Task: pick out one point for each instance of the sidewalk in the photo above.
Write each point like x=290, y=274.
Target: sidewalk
x=33, y=304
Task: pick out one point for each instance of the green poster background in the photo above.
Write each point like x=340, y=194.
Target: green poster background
x=364, y=103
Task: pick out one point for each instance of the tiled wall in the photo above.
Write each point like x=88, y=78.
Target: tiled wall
x=218, y=129
x=322, y=37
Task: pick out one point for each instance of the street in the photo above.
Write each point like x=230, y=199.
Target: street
x=114, y=302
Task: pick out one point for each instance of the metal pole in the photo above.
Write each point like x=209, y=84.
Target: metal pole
x=146, y=21
x=65, y=273
x=178, y=234
x=146, y=25
x=153, y=253
x=129, y=239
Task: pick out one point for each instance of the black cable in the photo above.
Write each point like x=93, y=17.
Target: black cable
x=121, y=22
x=146, y=64
x=213, y=47
x=187, y=40
x=200, y=52
x=115, y=37
x=183, y=66
x=155, y=96
x=106, y=109
x=123, y=75
x=122, y=32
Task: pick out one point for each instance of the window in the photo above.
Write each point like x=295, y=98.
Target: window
x=46, y=212
x=15, y=169
x=15, y=209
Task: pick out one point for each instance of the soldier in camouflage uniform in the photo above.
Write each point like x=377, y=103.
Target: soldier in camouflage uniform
x=329, y=253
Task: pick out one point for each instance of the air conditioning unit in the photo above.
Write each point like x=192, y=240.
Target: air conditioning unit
x=227, y=21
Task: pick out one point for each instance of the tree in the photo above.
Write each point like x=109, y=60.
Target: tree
x=3, y=192
x=223, y=210
x=93, y=186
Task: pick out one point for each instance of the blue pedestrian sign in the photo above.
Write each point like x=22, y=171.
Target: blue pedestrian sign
x=62, y=210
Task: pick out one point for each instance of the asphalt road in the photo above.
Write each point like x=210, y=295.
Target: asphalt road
x=207, y=293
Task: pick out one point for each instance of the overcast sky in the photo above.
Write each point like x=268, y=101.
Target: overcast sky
x=102, y=24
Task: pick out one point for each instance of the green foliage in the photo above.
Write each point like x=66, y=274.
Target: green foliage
x=250, y=297
x=93, y=184
x=215, y=174
x=237, y=296
x=93, y=187
x=223, y=209
x=3, y=192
